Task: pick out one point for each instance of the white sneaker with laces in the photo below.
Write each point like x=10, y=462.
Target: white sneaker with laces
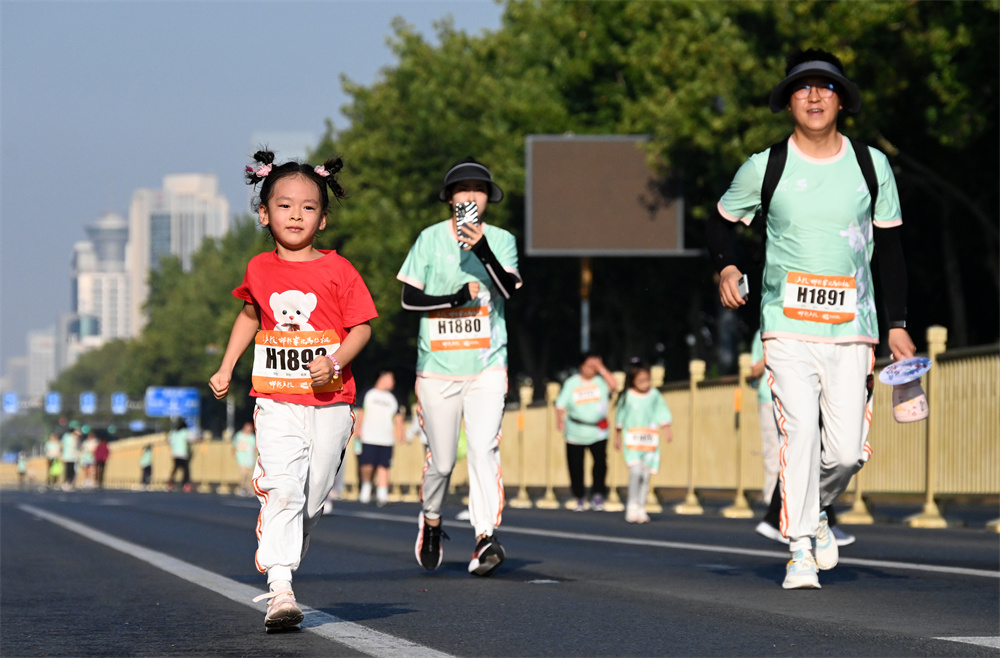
x=282, y=610
x=827, y=554
x=801, y=572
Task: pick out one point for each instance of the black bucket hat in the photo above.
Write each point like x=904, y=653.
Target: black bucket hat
x=470, y=171
x=850, y=96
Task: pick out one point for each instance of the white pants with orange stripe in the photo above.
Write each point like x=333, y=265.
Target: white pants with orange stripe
x=480, y=402
x=822, y=408
x=300, y=450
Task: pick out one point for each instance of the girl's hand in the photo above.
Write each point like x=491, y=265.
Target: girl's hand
x=321, y=370
x=618, y=442
x=668, y=434
x=473, y=290
x=219, y=383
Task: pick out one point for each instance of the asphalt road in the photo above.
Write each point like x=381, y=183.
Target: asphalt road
x=157, y=574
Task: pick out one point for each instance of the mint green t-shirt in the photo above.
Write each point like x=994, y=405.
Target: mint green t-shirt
x=643, y=411
x=179, y=443
x=462, y=342
x=586, y=405
x=819, y=243
x=756, y=354
x=70, y=447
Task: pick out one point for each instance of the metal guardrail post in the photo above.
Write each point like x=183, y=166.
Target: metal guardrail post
x=740, y=509
x=549, y=500
x=858, y=514
x=696, y=368
x=937, y=337
x=522, y=501
x=614, y=502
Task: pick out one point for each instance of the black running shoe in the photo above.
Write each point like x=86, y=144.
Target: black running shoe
x=489, y=555
x=428, y=549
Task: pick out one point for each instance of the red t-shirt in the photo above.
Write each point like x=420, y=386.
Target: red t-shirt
x=316, y=295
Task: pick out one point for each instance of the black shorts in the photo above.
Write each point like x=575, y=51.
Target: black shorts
x=376, y=455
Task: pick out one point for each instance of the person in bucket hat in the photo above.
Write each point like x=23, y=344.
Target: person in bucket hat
x=458, y=276
x=831, y=203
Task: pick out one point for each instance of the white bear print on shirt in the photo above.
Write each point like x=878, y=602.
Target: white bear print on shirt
x=292, y=309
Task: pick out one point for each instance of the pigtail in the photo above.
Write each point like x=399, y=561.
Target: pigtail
x=329, y=171
x=265, y=160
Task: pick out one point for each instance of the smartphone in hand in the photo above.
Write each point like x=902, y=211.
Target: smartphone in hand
x=743, y=287
x=466, y=212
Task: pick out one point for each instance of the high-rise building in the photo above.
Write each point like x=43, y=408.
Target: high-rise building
x=100, y=282
x=41, y=362
x=173, y=221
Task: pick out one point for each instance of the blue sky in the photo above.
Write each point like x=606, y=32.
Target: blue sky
x=101, y=98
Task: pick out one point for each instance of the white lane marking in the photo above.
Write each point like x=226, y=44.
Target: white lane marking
x=355, y=636
x=706, y=548
x=992, y=642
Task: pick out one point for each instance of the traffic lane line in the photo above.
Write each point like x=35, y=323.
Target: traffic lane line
x=355, y=636
x=705, y=548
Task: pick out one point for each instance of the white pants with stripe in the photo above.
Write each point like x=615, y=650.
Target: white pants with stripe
x=822, y=408
x=769, y=445
x=480, y=402
x=300, y=450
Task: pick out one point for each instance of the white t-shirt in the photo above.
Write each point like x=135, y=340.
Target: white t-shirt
x=380, y=409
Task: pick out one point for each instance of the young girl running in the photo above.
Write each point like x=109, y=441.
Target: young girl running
x=645, y=419
x=312, y=310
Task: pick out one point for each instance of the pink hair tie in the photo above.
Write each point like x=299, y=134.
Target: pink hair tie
x=261, y=171
x=321, y=170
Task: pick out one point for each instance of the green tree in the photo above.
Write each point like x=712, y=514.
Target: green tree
x=695, y=76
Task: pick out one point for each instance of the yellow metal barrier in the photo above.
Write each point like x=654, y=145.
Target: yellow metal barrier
x=955, y=452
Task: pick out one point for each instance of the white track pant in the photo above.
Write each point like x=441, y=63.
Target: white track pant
x=769, y=445
x=480, y=401
x=300, y=451
x=818, y=384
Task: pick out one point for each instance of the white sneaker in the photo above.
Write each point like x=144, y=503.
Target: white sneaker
x=801, y=572
x=328, y=507
x=827, y=554
x=843, y=538
x=632, y=514
x=767, y=530
x=282, y=610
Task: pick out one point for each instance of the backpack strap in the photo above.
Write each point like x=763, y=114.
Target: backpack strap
x=867, y=170
x=776, y=158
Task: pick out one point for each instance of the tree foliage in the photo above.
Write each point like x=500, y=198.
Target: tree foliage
x=695, y=76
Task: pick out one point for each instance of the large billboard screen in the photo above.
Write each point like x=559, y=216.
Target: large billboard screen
x=595, y=195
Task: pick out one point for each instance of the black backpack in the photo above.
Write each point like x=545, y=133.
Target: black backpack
x=776, y=166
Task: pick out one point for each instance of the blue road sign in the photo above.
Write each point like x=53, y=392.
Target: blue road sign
x=137, y=425
x=119, y=403
x=168, y=401
x=88, y=403
x=53, y=403
x=10, y=403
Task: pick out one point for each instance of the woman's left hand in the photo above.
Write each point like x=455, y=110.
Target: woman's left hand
x=471, y=233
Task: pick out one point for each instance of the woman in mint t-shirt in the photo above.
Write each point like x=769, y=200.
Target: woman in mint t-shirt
x=582, y=413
